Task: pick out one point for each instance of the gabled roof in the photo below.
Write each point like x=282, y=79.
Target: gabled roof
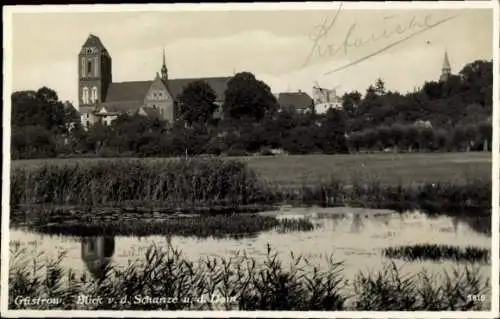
x=121, y=106
x=218, y=84
x=137, y=90
x=128, y=91
x=297, y=100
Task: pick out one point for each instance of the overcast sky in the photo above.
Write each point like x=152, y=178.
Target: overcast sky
x=274, y=45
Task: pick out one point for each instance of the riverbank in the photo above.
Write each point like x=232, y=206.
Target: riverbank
x=211, y=185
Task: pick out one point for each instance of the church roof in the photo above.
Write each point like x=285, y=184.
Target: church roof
x=137, y=90
x=121, y=106
x=218, y=84
x=128, y=91
x=297, y=100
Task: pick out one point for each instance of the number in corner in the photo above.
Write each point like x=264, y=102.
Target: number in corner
x=476, y=297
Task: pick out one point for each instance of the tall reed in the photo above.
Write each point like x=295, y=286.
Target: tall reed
x=183, y=182
x=194, y=183
x=241, y=282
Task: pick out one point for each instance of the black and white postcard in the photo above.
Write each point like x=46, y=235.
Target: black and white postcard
x=305, y=159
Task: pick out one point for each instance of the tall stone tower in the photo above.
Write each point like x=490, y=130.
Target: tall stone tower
x=94, y=72
x=164, y=70
x=446, y=70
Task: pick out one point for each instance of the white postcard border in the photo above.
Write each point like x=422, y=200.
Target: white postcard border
x=7, y=87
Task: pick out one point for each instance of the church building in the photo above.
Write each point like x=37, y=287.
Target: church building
x=102, y=100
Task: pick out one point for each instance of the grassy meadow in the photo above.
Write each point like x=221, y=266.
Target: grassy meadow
x=295, y=170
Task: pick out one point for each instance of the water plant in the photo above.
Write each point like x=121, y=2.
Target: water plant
x=218, y=226
x=166, y=280
x=436, y=252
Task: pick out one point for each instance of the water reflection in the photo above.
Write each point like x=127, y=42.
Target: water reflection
x=96, y=254
x=356, y=236
x=357, y=223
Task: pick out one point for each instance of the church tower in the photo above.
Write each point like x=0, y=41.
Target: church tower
x=94, y=72
x=446, y=70
x=164, y=70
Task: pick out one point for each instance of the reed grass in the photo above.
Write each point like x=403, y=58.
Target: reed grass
x=243, y=283
x=192, y=183
x=218, y=226
x=187, y=182
x=436, y=252
x=472, y=198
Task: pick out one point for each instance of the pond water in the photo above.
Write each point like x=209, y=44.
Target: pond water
x=355, y=236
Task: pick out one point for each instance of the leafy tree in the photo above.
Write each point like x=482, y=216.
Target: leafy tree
x=433, y=90
x=247, y=97
x=441, y=139
x=32, y=141
x=197, y=102
x=300, y=141
x=42, y=108
x=350, y=103
x=397, y=133
x=426, y=139
x=332, y=132
x=380, y=87
x=485, y=132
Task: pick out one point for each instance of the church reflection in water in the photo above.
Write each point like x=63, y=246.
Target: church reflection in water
x=97, y=253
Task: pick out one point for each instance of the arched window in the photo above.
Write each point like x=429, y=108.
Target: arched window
x=83, y=66
x=94, y=94
x=89, y=67
x=96, y=67
x=85, y=95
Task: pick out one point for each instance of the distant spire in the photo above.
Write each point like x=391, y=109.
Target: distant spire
x=164, y=64
x=446, y=61
x=164, y=70
x=446, y=70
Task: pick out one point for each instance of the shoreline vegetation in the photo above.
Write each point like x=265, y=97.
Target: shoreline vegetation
x=239, y=283
x=135, y=197
x=212, y=184
x=131, y=196
x=438, y=252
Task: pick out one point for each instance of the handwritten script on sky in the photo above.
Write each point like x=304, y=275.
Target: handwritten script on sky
x=394, y=32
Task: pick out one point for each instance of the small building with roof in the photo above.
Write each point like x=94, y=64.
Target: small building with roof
x=300, y=101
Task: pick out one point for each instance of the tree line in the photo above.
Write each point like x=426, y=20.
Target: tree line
x=438, y=117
